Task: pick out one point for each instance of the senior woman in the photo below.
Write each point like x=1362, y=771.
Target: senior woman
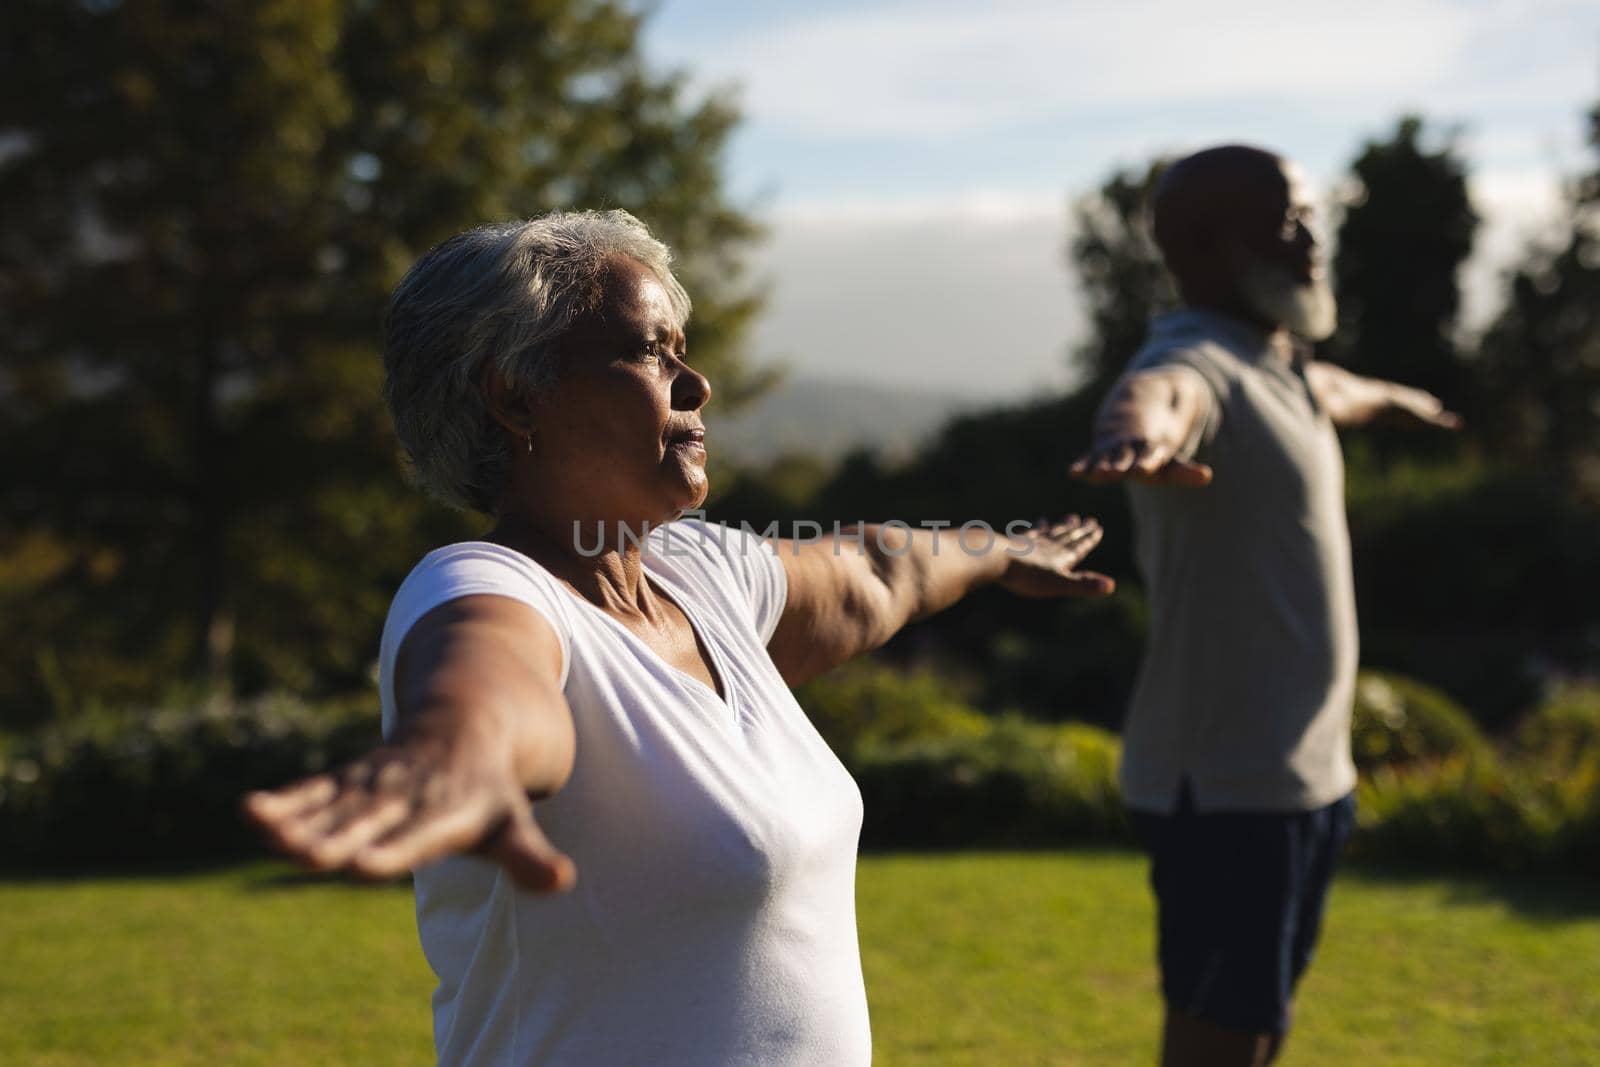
x=628, y=672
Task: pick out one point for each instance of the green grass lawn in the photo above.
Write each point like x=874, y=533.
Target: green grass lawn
x=970, y=958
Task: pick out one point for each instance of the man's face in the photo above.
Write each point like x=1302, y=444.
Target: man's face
x=1278, y=262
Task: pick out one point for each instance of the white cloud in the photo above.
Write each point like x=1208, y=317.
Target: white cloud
x=940, y=69
x=976, y=206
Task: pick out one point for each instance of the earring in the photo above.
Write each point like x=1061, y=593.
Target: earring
x=529, y=439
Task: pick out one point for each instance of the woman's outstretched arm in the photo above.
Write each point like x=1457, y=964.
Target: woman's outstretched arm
x=850, y=593
x=482, y=728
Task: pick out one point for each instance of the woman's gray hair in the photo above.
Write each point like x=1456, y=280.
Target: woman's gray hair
x=501, y=296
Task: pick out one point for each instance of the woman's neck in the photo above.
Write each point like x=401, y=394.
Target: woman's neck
x=602, y=561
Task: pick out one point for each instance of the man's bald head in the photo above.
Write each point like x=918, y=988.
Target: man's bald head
x=1229, y=219
x=1206, y=200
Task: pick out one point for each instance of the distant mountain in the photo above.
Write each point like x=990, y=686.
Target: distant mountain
x=828, y=418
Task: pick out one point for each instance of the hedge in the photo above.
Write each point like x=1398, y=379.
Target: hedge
x=164, y=785
x=1399, y=720
x=1016, y=783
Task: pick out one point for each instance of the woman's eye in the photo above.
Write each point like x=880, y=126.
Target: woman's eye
x=657, y=353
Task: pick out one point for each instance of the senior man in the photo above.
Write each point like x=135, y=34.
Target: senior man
x=1236, y=765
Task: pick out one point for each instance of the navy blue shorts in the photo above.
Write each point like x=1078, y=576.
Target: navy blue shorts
x=1240, y=897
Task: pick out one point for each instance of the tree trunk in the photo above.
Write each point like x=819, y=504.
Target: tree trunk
x=213, y=629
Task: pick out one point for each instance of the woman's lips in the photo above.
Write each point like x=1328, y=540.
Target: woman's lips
x=689, y=441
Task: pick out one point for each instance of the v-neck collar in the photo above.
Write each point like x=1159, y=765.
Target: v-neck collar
x=720, y=673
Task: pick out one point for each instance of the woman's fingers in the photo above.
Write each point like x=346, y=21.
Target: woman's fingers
x=430, y=836
x=268, y=806
x=1081, y=541
x=400, y=807
x=324, y=821
x=1076, y=536
x=528, y=856
x=1062, y=525
x=1072, y=526
x=354, y=827
x=1088, y=584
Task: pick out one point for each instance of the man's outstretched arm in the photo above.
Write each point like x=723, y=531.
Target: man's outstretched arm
x=1141, y=429
x=1351, y=400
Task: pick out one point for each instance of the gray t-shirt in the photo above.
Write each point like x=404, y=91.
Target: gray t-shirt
x=1249, y=669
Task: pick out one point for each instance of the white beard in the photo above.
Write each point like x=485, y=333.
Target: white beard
x=1305, y=310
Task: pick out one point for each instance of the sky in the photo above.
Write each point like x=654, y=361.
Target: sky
x=914, y=160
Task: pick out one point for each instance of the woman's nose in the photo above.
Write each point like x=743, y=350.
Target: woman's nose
x=690, y=389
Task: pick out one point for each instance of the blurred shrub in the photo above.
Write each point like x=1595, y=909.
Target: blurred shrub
x=1416, y=529
x=163, y=785
x=1457, y=812
x=1399, y=720
x=1535, y=807
x=1563, y=733
x=1558, y=745
x=1016, y=783
x=934, y=771
x=865, y=704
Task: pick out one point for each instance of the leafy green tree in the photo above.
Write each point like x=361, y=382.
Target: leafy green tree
x=1407, y=228
x=1540, y=360
x=202, y=209
x=1119, y=273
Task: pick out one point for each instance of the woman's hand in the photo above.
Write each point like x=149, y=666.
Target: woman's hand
x=407, y=804
x=483, y=726
x=1044, y=560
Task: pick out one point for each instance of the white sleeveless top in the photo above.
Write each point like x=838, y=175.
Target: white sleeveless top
x=713, y=921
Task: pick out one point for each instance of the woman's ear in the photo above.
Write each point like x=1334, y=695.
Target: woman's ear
x=508, y=405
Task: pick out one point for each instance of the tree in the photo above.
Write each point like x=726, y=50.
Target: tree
x=1119, y=273
x=1540, y=359
x=1407, y=228
x=202, y=209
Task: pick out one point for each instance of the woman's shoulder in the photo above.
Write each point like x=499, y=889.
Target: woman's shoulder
x=495, y=558
x=468, y=568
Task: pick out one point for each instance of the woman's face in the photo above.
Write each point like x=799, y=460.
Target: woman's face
x=619, y=437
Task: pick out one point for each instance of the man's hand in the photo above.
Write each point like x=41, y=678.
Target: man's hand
x=1418, y=407
x=1141, y=427
x=408, y=804
x=1114, y=459
x=1352, y=400
x=1043, y=563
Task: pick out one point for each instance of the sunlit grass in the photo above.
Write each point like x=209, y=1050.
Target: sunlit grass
x=970, y=959
x=1047, y=959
